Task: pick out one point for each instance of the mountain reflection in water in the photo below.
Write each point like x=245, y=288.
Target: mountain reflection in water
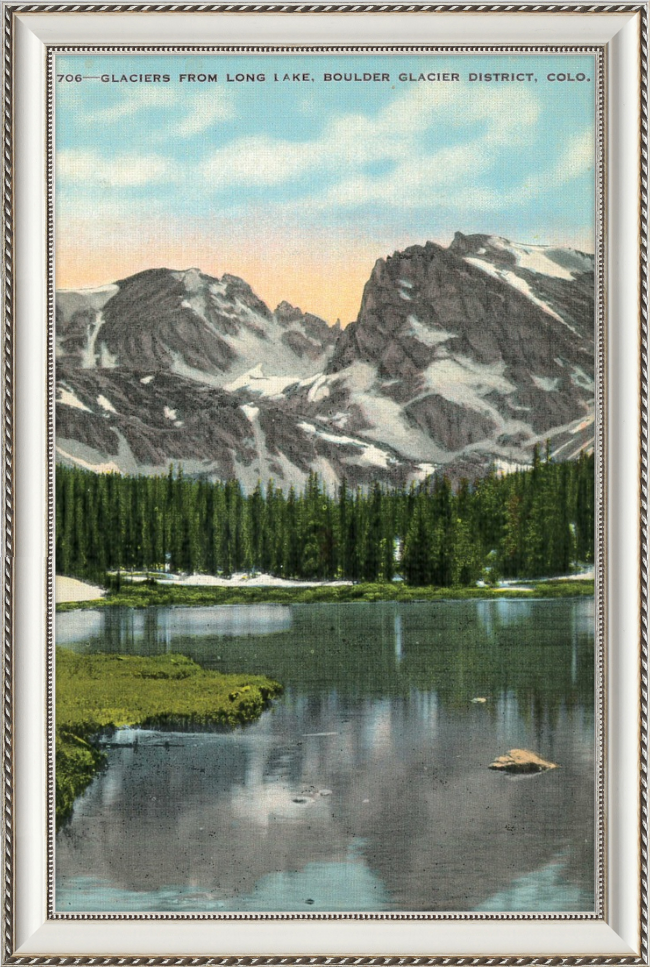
x=366, y=787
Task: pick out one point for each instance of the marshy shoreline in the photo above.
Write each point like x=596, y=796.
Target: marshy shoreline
x=165, y=593
x=97, y=694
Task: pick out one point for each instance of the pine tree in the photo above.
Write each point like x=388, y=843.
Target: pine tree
x=373, y=537
x=442, y=533
x=388, y=541
x=342, y=528
x=291, y=546
x=416, y=559
x=526, y=524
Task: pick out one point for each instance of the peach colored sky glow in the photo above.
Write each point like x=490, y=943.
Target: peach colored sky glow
x=308, y=284
x=326, y=280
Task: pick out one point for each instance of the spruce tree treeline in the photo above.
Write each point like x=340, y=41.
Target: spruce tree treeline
x=531, y=523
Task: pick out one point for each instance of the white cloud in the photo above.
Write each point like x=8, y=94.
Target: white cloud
x=438, y=145
x=132, y=102
x=579, y=156
x=198, y=112
x=258, y=161
x=129, y=170
x=576, y=159
x=409, y=187
x=203, y=114
x=76, y=206
x=487, y=120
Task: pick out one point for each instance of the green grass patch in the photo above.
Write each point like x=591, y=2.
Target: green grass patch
x=96, y=693
x=164, y=594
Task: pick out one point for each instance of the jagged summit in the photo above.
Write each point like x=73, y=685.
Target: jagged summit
x=560, y=263
x=185, y=322
x=461, y=357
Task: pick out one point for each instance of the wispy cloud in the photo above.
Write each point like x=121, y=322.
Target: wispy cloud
x=575, y=160
x=258, y=162
x=349, y=143
x=189, y=114
x=133, y=102
x=203, y=112
x=130, y=170
x=345, y=169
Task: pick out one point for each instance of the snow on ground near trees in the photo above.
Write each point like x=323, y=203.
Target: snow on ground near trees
x=70, y=589
x=251, y=581
x=582, y=576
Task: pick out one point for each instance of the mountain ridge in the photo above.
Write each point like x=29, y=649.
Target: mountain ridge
x=460, y=358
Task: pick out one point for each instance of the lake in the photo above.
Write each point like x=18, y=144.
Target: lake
x=366, y=787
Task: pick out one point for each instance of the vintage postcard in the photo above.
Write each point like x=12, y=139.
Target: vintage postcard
x=325, y=460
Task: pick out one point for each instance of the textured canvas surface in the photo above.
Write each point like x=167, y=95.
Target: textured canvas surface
x=325, y=482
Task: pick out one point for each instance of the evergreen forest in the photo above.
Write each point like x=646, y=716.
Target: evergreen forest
x=531, y=523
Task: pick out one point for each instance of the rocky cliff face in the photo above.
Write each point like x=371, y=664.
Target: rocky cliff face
x=209, y=329
x=460, y=357
x=484, y=348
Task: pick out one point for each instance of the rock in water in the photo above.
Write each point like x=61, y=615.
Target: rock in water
x=522, y=761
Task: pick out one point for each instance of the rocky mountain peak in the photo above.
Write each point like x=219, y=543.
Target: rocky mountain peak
x=468, y=244
x=287, y=313
x=306, y=334
x=485, y=346
x=566, y=264
x=460, y=357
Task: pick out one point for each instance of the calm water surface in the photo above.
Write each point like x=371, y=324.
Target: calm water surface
x=366, y=787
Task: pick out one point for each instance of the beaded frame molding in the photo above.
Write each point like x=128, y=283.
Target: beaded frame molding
x=10, y=11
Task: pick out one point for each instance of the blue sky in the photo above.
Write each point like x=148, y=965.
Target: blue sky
x=299, y=186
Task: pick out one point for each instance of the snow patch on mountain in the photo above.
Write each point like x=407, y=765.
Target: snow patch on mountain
x=106, y=404
x=339, y=440
x=585, y=424
x=518, y=283
x=254, y=381
x=255, y=339
x=181, y=368
x=465, y=382
x=546, y=383
x=369, y=454
x=319, y=390
x=109, y=467
x=105, y=358
x=68, y=398
x=191, y=279
x=581, y=379
x=251, y=412
x=88, y=354
x=338, y=420
x=427, y=335
x=542, y=259
x=385, y=420
x=425, y=470
x=375, y=457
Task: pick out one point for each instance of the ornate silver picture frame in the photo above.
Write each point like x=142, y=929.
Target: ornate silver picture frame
x=35, y=931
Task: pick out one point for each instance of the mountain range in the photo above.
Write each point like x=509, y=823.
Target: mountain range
x=460, y=358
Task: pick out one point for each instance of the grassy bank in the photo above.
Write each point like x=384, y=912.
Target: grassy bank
x=95, y=693
x=146, y=595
